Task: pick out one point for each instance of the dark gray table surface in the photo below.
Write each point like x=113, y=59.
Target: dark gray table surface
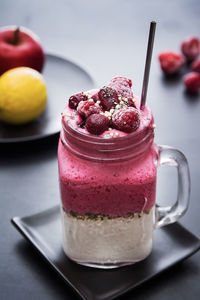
x=108, y=38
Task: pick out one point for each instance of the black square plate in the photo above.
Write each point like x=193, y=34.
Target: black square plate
x=172, y=244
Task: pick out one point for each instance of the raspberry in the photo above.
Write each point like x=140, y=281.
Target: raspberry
x=195, y=66
x=127, y=120
x=86, y=108
x=191, y=48
x=122, y=85
x=171, y=62
x=192, y=81
x=97, y=124
x=75, y=99
x=108, y=97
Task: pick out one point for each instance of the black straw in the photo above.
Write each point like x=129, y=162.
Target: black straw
x=148, y=63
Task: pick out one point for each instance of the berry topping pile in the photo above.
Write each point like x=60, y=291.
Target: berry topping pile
x=113, y=106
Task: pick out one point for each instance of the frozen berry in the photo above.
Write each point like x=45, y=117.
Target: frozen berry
x=171, y=62
x=127, y=120
x=108, y=97
x=192, y=81
x=122, y=85
x=97, y=123
x=195, y=66
x=75, y=99
x=191, y=48
x=86, y=108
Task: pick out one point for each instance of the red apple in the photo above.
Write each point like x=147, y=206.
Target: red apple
x=20, y=47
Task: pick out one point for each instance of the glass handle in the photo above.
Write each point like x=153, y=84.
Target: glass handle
x=170, y=214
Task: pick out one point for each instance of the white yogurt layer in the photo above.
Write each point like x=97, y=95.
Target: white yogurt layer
x=108, y=241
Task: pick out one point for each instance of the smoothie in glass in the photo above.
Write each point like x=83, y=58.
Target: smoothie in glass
x=107, y=169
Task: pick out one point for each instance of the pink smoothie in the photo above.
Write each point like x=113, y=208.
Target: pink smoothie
x=97, y=188
x=113, y=189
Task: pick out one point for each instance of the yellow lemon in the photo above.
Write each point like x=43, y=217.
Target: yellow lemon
x=23, y=95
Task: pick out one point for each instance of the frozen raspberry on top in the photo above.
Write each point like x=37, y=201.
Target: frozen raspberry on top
x=192, y=81
x=127, y=120
x=86, y=108
x=196, y=65
x=108, y=97
x=171, y=62
x=75, y=99
x=191, y=48
x=122, y=85
x=97, y=123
